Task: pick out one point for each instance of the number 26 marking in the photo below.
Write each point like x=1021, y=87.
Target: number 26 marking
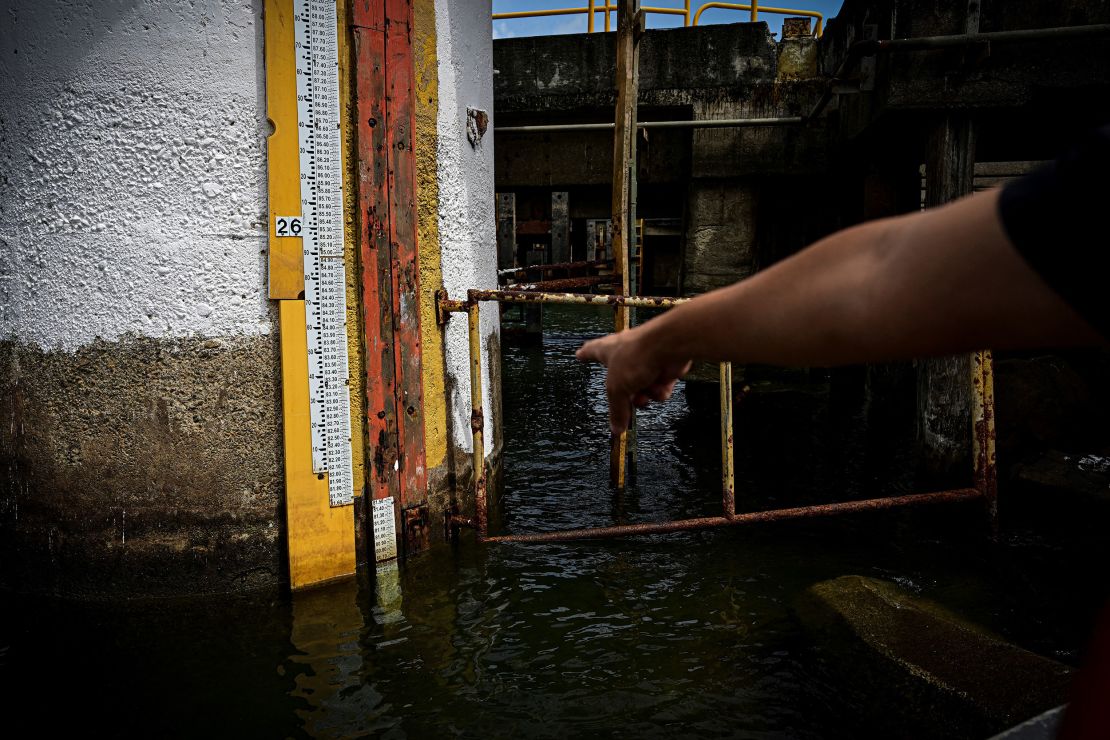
x=287, y=225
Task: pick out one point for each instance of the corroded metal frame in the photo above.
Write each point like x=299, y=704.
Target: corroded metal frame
x=985, y=472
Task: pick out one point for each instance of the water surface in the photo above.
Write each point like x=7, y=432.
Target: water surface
x=690, y=635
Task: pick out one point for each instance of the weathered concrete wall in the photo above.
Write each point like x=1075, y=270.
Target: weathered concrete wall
x=720, y=234
x=467, y=228
x=552, y=73
x=714, y=175
x=135, y=182
x=140, y=412
x=141, y=466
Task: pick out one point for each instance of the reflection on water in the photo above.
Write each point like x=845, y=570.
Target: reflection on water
x=690, y=635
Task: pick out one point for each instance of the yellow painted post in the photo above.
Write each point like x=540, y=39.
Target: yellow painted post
x=477, y=418
x=686, y=17
x=755, y=10
x=728, y=484
x=590, y=20
x=286, y=261
x=983, y=432
x=321, y=538
x=426, y=82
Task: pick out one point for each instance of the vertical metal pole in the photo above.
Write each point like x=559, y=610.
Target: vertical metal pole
x=590, y=17
x=607, y=8
x=983, y=432
x=755, y=10
x=728, y=483
x=623, y=147
x=686, y=17
x=984, y=458
x=477, y=419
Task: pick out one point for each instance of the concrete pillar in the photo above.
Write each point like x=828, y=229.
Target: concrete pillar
x=506, y=230
x=891, y=186
x=467, y=228
x=560, y=228
x=140, y=392
x=943, y=384
x=720, y=234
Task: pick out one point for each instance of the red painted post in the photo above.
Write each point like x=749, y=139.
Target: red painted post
x=400, y=130
x=388, y=252
x=374, y=252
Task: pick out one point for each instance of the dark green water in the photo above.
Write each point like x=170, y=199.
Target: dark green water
x=690, y=635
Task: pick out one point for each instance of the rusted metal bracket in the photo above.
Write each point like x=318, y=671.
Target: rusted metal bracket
x=417, y=529
x=445, y=307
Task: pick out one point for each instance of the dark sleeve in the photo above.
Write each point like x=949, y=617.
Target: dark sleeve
x=1058, y=218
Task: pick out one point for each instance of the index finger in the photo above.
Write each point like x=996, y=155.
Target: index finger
x=595, y=350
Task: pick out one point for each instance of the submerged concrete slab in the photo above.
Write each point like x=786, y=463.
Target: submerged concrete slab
x=935, y=673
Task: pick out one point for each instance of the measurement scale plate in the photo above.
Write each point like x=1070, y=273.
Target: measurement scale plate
x=319, y=139
x=385, y=530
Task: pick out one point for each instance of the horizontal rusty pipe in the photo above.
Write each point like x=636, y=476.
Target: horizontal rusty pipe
x=561, y=284
x=776, y=515
x=704, y=123
x=458, y=520
x=587, y=299
x=555, y=266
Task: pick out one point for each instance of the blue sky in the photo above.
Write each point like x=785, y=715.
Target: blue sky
x=577, y=23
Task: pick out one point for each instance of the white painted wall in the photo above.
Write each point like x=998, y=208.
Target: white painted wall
x=132, y=170
x=464, y=46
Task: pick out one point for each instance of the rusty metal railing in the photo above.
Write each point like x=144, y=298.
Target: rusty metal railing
x=985, y=471
x=688, y=18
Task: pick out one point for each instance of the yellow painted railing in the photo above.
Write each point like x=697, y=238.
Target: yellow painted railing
x=593, y=8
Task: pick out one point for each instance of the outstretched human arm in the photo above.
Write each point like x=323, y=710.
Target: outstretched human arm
x=939, y=282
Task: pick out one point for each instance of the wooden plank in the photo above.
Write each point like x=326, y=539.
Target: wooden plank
x=401, y=174
x=321, y=538
x=375, y=256
x=286, y=263
x=623, y=141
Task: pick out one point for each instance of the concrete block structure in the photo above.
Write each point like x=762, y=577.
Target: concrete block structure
x=141, y=376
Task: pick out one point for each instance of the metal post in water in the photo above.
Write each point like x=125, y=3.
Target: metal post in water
x=477, y=419
x=983, y=432
x=624, y=142
x=728, y=484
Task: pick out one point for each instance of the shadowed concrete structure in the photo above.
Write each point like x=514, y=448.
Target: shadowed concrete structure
x=901, y=130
